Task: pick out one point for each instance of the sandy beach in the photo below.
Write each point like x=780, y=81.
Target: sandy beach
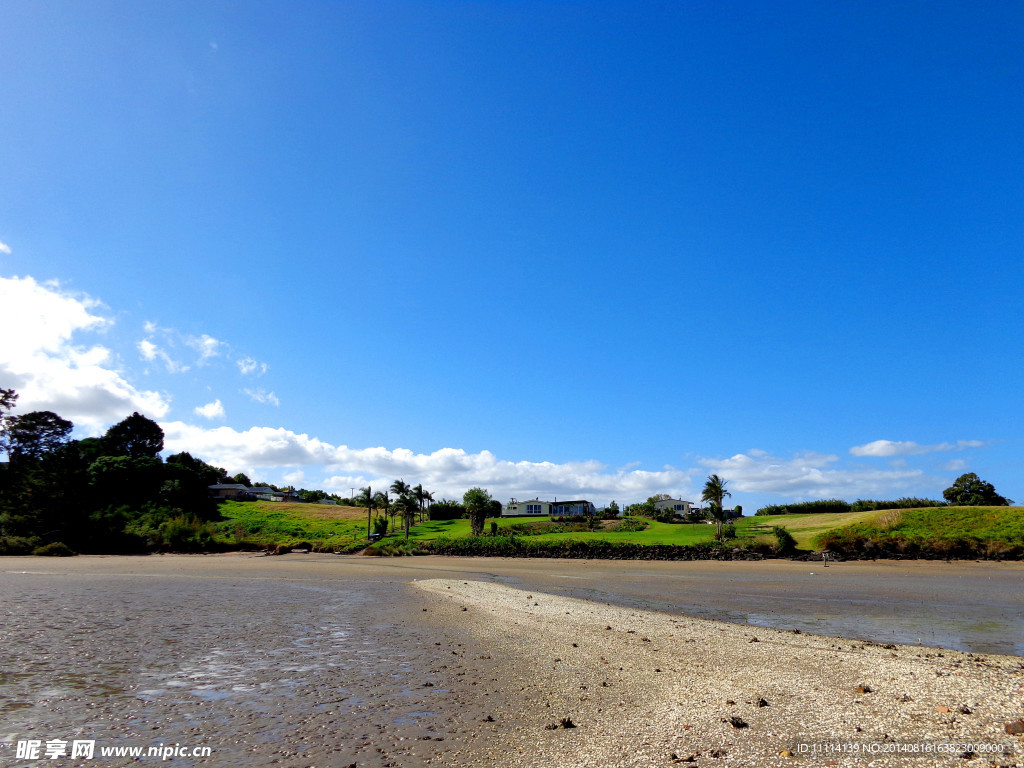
x=331, y=661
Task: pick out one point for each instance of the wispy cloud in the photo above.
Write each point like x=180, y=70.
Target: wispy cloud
x=885, y=448
x=250, y=367
x=214, y=410
x=207, y=346
x=809, y=476
x=261, y=395
x=53, y=372
x=5, y=248
x=151, y=352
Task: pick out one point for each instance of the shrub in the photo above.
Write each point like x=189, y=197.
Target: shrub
x=785, y=543
x=17, y=545
x=632, y=525
x=867, y=505
x=380, y=526
x=573, y=548
x=805, y=508
x=446, y=510
x=728, y=532
x=54, y=549
x=395, y=549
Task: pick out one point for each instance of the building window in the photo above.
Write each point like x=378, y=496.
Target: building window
x=533, y=509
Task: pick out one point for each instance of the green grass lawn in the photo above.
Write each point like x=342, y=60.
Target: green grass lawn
x=803, y=527
x=1001, y=525
x=268, y=523
x=262, y=523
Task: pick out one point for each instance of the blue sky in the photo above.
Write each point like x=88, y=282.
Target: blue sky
x=566, y=249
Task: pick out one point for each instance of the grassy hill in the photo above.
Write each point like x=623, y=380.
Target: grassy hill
x=270, y=524
x=987, y=532
x=931, y=532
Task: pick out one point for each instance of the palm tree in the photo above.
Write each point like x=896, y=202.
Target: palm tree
x=408, y=506
x=420, y=495
x=382, y=501
x=428, y=497
x=401, y=489
x=366, y=497
x=714, y=492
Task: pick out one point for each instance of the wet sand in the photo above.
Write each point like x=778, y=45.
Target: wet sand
x=328, y=661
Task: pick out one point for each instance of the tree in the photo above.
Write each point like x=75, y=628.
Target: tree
x=8, y=397
x=31, y=435
x=971, y=491
x=367, y=499
x=428, y=499
x=408, y=507
x=714, y=493
x=383, y=502
x=127, y=481
x=136, y=437
x=420, y=495
x=477, y=502
x=241, y=478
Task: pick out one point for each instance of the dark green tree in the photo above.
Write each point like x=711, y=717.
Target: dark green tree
x=477, y=503
x=186, y=485
x=8, y=398
x=969, y=490
x=136, y=437
x=29, y=436
x=126, y=481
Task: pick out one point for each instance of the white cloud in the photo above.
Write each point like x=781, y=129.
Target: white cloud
x=150, y=352
x=261, y=395
x=294, y=478
x=205, y=345
x=249, y=367
x=53, y=373
x=956, y=465
x=5, y=248
x=885, y=448
x=446, y=472
x=214, y=410
x=808, y=476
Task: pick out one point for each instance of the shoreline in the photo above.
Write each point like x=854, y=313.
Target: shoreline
x=325, y=661
x=645, y=688
x=972, y=606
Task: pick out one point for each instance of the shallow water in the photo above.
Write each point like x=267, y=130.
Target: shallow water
x=258, y=670
x=320, y=660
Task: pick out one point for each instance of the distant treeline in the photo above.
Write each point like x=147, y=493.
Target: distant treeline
x=838, y=505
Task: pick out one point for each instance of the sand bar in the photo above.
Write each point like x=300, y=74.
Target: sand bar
x=328, y=661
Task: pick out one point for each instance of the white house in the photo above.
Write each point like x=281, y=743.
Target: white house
x=540, y=508
x=678, y=506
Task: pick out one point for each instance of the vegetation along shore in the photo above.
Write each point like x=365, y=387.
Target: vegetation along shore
x=118, y=494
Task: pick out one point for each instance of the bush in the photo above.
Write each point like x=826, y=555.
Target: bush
x=728, y=532
x=179, y=533
x=54, y=549
x=380, y=526
x=510, y=546
x=867, y=505
x=18, y=545
x=785, y=543
x=805, y=508
x=446, y=510
x=632, y=525
x=395, y=549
